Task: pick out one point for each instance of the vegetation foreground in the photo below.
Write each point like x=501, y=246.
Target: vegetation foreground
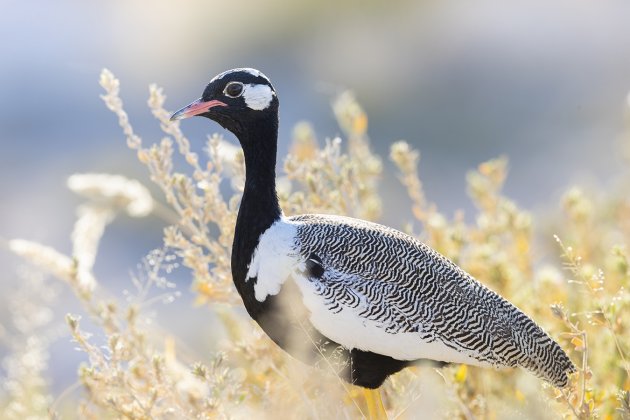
x=139, y=371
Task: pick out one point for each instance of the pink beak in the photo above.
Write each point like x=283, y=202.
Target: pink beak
x=195, y=108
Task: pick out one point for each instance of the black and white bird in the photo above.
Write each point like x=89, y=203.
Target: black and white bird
x=316, y=283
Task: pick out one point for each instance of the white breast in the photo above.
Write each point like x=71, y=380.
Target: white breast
x=275, y=259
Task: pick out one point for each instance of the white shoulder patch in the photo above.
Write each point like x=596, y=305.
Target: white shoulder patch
x=274, y=259
x=258, y=97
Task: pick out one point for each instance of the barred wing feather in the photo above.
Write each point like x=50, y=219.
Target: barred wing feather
x=385, y=292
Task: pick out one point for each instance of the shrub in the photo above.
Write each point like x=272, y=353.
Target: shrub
x=582, y=299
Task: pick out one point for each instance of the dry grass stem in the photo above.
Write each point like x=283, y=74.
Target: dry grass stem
x=141, y=372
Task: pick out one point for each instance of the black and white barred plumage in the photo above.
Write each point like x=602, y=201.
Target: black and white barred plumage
x=335, y=285
x=385, y=292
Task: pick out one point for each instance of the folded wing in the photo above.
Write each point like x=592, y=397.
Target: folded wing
x=376, y=289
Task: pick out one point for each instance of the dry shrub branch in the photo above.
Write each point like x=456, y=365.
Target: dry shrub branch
x=582, y=299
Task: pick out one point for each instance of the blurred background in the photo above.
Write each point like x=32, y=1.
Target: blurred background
x=542, y=82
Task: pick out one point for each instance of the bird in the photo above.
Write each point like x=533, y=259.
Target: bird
x=320, y=285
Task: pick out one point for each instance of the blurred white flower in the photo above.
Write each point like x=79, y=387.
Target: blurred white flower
x=549, y=274
x=113, y=190
x=44, y=257
x=228, y=152
x=86, y=235
x=231, y=159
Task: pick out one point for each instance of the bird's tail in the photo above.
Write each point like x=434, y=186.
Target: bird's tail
x=541, y=355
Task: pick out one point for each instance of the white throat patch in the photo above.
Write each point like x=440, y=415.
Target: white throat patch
x=257, y=97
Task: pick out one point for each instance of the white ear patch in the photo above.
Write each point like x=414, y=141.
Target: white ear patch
x=258, y=97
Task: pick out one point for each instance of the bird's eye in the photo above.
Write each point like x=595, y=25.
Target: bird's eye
x=233, y=89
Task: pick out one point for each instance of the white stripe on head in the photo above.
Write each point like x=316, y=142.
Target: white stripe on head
x=257, y=97
x=253, y=72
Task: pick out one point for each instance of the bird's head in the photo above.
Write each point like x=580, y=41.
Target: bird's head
x=237, y=99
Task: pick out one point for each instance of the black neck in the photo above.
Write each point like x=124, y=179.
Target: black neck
x=259, y=206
